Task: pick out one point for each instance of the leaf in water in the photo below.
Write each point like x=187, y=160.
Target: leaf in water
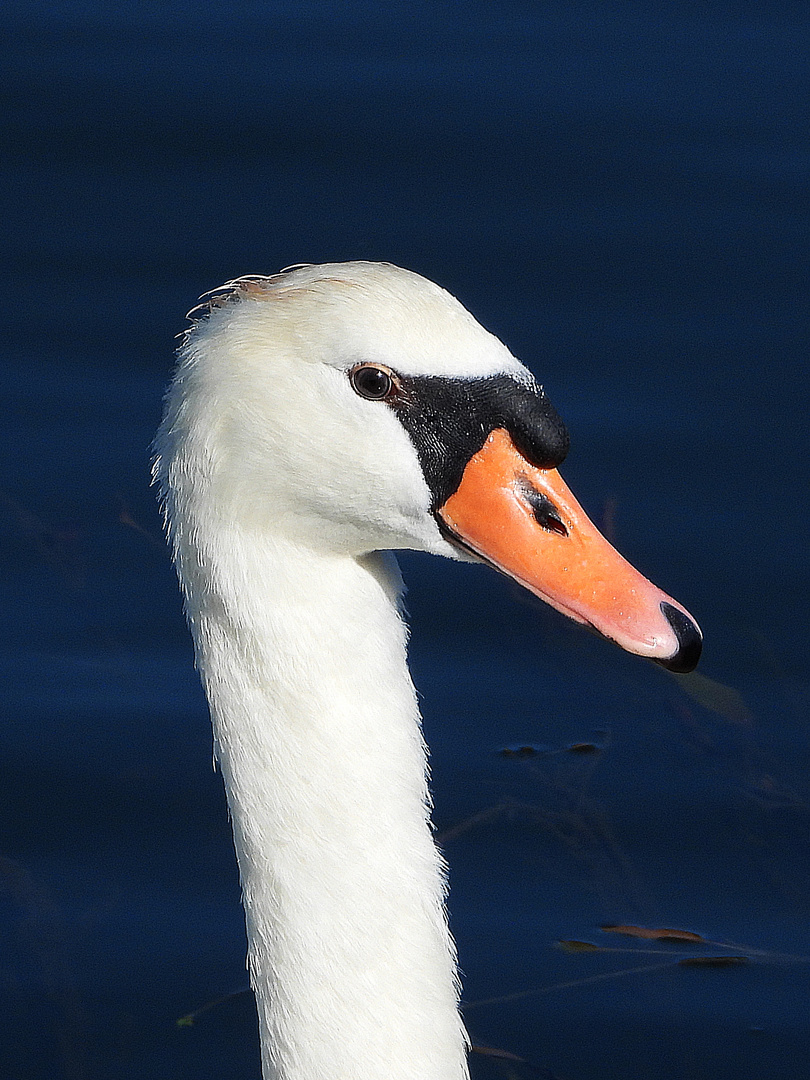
x=578, y=946
x=491, y=1051
x=191, y=1018
x=652, y=935
x=583, y=748
x=713, y=961
x=716, y=696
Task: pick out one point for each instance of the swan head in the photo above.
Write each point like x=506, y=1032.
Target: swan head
x=357, y=407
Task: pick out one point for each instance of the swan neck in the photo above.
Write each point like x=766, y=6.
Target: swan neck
x=318, y=735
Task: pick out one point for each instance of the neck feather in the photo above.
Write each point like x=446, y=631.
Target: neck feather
x=318, y=735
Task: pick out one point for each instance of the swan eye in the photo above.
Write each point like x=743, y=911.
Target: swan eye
x=372, y=382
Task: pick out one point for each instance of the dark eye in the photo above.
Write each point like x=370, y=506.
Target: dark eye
x=371, y=381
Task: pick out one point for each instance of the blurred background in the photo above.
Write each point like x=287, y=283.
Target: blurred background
x=618, y=190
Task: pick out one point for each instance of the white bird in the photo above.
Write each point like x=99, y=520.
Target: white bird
x=318, y=419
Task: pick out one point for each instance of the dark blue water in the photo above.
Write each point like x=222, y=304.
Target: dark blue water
x=619, y=191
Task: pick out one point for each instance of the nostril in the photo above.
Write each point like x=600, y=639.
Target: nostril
x=544, y=510
x=690, y=640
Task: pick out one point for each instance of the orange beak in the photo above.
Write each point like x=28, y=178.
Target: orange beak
x=526, y=522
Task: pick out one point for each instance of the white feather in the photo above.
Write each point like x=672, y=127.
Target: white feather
x=281, y=487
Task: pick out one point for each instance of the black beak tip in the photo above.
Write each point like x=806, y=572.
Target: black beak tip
x=690, y=640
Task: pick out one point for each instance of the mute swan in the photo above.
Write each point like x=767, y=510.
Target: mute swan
x=318, y=419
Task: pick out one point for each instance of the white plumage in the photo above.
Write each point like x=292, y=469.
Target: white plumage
x=284, y=490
